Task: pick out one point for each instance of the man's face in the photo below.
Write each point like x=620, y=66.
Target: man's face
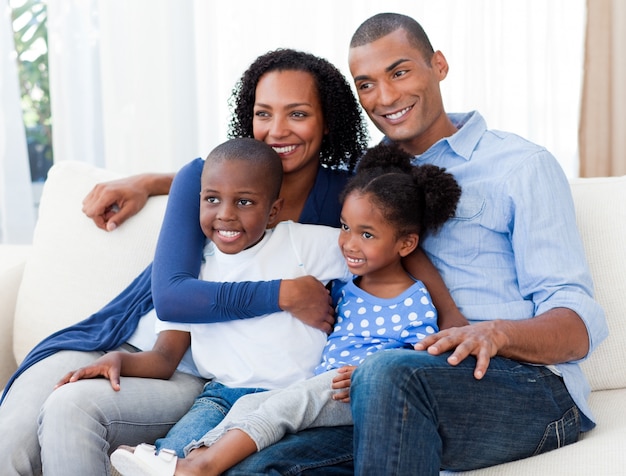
x=399, y=90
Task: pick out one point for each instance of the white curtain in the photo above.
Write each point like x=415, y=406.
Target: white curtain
x=17, y=215
x=143, y=85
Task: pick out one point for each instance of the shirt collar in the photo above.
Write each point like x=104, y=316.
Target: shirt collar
x=470, y=128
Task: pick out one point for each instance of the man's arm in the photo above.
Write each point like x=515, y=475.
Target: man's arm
x=109, y=204
x=553, y=337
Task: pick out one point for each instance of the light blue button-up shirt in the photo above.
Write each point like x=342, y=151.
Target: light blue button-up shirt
x=512, y=250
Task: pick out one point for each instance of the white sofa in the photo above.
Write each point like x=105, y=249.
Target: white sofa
x=73, y=268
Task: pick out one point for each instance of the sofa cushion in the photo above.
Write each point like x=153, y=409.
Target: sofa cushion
x=75, y=268
x=601, y=216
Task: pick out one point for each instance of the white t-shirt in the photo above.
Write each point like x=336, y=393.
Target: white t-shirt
x=274, y=350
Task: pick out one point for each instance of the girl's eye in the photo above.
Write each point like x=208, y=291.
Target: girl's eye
x=344, y=227
x=367, y=235
x=212, y=199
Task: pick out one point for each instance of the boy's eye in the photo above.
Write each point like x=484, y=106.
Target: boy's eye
x=344, y=227
x=244, y=202
x=212, y=199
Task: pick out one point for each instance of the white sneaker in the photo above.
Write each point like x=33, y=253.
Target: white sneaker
x=144, y=461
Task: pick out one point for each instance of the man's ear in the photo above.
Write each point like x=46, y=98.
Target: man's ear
x=440, y=64
x=277, y=206
x=408, y=243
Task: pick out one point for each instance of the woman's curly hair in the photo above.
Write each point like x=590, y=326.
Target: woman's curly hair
x=347, y=136
x=413, y=198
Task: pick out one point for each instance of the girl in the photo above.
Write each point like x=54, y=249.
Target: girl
x=386, y=207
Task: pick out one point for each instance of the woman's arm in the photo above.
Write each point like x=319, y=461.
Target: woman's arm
x=178, y=294
x=420, y=267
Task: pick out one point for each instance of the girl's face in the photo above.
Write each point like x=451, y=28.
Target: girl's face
x=367, y=240
x=288, y=116
x=235, y=205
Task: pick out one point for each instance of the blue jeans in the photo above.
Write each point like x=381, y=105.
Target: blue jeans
x=427, y=415
x=314, y=452
x=208, y=409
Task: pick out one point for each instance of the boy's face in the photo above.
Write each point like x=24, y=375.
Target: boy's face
x=399, y=90
x=235, y=204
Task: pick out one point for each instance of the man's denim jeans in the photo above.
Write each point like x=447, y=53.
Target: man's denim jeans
x=414, y=413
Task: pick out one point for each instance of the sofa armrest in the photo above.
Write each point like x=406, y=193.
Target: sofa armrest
x=12, y=261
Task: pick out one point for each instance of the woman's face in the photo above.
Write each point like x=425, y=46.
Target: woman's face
x=288, y=117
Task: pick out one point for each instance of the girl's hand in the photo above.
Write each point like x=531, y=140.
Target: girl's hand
x=108, y=366
x=342, y=382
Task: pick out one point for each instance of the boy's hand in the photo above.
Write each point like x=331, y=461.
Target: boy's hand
x=108, y=366
x=342, y=382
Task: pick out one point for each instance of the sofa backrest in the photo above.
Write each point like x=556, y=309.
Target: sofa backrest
x=601, y=217
x=76, y=268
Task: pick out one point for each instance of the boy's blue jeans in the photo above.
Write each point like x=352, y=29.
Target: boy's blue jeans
x=415, y=414
x=208, y=409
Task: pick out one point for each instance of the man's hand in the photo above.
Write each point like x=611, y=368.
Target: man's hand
x=109, y=366
x=308, y=300
x=342, y=382
x=109, y=204
x=553, y=337
x=482, y=340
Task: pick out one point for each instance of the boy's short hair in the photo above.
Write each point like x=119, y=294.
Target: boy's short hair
x=257, y=154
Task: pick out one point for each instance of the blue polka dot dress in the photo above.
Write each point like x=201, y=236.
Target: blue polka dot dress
x=366, y=324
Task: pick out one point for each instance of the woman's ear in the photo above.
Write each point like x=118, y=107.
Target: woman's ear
x=275, y=209
x=408, y=243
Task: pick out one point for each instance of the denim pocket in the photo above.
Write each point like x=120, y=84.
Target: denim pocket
x=561, y=432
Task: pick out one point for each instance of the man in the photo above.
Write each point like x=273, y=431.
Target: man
x=508, y=386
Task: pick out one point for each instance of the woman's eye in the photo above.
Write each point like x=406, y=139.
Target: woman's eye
x=298, y=114
x=261, y=114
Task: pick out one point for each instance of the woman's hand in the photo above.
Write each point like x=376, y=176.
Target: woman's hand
x=307, y=299
x=109, y=366
x=342, y=382
x=109, y=204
